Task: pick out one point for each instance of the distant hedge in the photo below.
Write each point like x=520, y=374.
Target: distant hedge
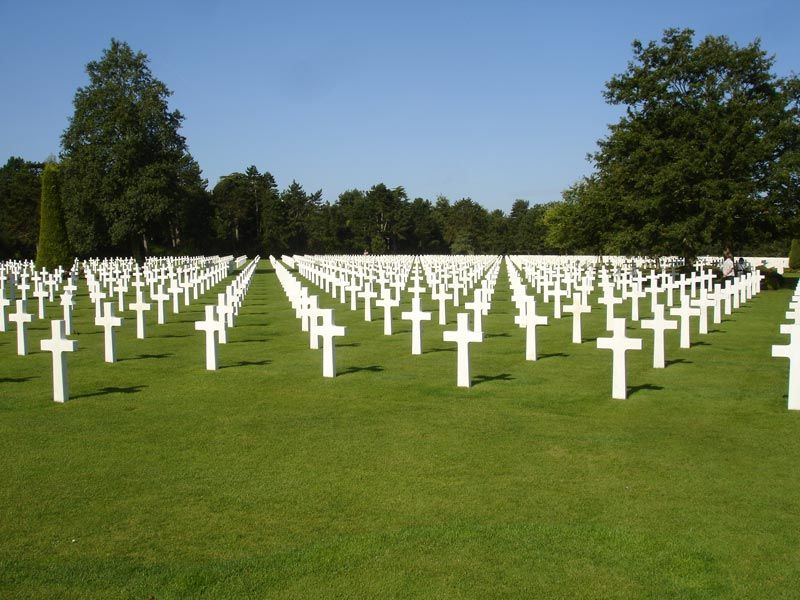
x=52, y=249
x=794, y=255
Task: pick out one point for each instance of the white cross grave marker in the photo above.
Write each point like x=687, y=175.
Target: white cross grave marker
x=685, y=312
x=161, y=297
x=529, y=320
x=108, y=322
x=619, y=344
x=792, y=352
x=703, y=303
x=40, y=294
x=58, y=344
x=577, y=308
x=368, y=294
x=610, y=300
x=387, y=303
x=658, y=324
x=67, y=303
x=462, y=336
x=328, y=331
x=211, y=326
x=139, y=307
x=416, y=315
x=4, y=302
x=21, y=318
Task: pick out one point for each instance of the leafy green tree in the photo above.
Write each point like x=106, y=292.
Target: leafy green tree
x=794, y=254
x=20, y=191
x=388, y=222
x=189, y=222
x=247, y=212
x=299, y=209
x=424, y=233
x=496, y=238
x=355, y=217
x=580, y=223
x=124, y=162
x=52, y=249
x=706, y=154
x=465, y=226
x=527, y=229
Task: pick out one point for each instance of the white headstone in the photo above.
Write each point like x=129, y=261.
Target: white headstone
x=416, y=315
x=577, y=308
x=21, y=318
x=529, y=320
x=328, y=331
x=368, y=294
x=610, y=300
x=67, y=303
x=658, y=324
x=40, y=294
x=4, y=302
x=108, y=322
x=792, y=352
x=161, y=297
x=58, y=344
x=463, y=337
x=685, y=312
x=387, y=303
x=139, y=307
x=210, y=326
x=619, y=344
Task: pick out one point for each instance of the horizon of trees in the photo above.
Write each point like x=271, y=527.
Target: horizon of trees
x=707, y=157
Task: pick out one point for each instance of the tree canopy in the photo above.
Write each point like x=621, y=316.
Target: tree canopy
x=705, y=156
x=126, y=168
x=20, y=190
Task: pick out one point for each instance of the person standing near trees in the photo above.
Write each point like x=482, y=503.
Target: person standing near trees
x=727, y=266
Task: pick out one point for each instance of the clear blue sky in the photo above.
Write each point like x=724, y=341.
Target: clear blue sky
x=490, y=100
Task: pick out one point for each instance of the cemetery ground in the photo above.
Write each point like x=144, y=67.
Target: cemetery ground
x=263, y=479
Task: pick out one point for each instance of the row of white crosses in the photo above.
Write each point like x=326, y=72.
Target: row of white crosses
x=317, y=321
x=463, y=336
x=105, y=278
x=219, y=317
x=446, y=279
x=792, y=349
x=698, y=293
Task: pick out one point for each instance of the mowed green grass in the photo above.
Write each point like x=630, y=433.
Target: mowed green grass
x=263, y=479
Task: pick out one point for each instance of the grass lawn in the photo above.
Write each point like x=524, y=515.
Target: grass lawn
x=263, y=479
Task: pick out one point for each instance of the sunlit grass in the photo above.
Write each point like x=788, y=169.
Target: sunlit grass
x=263, y=479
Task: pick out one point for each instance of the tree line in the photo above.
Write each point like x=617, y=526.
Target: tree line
x=706, y=157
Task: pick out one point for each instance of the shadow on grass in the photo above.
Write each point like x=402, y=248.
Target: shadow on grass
x=248, y=363
x=644, y=387
x=551, y=355
x=146, y=356
x=17, y=379
x=350, y=345
x=351, y=370
x=479, y=379
x=112, y=390
x=495, y=335
x=264, y=339
x=700, y=344
x=676, y=361
x=176, y=335
x=447, y=349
